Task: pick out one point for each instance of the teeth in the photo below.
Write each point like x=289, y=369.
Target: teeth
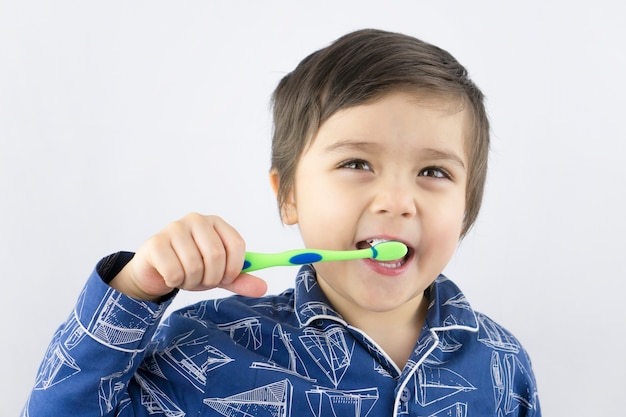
x=374, y=242
x=392, y=265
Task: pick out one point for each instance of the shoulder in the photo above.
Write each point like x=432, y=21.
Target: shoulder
x=482, y=350
x=511, y=369
x=495, y=336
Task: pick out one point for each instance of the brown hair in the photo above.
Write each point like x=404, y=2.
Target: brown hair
x=360, y=67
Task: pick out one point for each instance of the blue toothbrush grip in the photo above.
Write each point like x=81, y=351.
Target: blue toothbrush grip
x=305, y=258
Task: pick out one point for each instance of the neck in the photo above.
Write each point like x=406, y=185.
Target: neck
x=396, y=332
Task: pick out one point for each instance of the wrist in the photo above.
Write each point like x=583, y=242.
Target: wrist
x=124, y=283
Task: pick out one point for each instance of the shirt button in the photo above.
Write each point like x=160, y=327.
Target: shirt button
x=405, y=396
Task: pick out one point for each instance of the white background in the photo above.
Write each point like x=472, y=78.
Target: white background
x=119, y=117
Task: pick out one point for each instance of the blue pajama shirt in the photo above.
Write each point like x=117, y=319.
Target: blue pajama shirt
x=284, y=355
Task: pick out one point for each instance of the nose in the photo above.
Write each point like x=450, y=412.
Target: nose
x=395, y=197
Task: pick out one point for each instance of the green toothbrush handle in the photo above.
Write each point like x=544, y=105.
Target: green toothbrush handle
x=255, y=261
x=385, y=251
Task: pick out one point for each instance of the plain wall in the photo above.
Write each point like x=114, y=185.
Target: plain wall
x=119, y=117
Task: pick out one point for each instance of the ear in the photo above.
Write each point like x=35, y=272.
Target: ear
x=288, y=212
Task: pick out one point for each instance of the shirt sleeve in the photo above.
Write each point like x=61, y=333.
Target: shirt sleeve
x=93, y=355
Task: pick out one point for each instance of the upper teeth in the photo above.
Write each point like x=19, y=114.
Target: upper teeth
x=374, y=242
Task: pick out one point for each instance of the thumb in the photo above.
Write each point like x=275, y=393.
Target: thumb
x=247, y=285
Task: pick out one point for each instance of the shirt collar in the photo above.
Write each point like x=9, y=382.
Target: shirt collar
x=448, y=308
x=310, y=301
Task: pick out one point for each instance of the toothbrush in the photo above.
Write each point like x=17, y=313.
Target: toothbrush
x=384, y=251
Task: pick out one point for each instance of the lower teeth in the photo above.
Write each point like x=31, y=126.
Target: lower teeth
x=392, y=265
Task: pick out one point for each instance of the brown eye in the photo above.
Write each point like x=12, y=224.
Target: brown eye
x=434, y=172
x=356, y=164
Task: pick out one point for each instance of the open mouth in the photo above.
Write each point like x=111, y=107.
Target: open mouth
x=364, y=244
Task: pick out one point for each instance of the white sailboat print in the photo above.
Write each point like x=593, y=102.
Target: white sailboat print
x=330, y=351
x=283, y=348
x=436, y=383
x=194, y=358
x=272, y=400
x=326, y=402
x=156, y=401
x=246, y=332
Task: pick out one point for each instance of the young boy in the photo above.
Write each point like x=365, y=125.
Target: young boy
x=377, y=137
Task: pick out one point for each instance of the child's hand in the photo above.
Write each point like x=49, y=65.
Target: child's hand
x=194, y=253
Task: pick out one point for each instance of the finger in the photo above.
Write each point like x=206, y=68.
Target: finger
x=161, y=263
x=247, y=285
x=189, y=256
x=211, y=248
x=235, y=247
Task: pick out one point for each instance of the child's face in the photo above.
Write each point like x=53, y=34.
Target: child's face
x=391, y=169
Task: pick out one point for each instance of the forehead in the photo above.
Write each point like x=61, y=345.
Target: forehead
x=436, y=115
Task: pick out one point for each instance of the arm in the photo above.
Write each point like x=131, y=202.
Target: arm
x=95, y=352
x=88, y=365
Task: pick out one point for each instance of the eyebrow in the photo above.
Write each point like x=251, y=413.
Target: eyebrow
x=431, y=153
x=351, y=145
x=442, y=154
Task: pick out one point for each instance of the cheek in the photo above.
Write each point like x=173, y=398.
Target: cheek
x=446, y=228
x=325, y=216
